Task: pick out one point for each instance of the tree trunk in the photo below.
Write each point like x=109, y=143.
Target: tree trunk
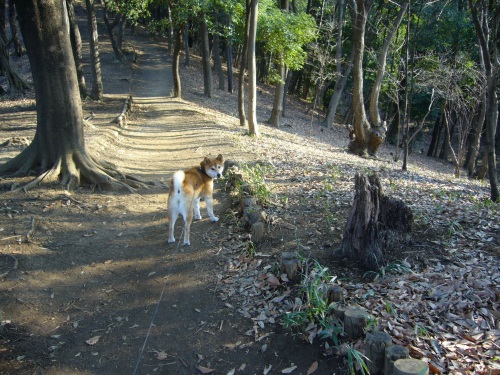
x=175, y=63
x=76, y=44
x=109, y=27
x=476, y=139
x=14, y=31
x=185, y=38
x=488, y=34
x=205, y=52
x=95, y=62
x=243, y=66
x=216, y=57
x=229, y=63
x=16, y=83
x=277, y=111
x=253, y=126
x=58, y=149
x=376, y=222
x=361, y=125
x=377, y=85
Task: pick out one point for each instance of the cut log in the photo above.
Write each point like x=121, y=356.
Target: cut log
x=371, y=225
x=392, y=354
x=355, y=321
x=410, y=366
x=375, y=346
x=258, y=231
x=335, y=294
x=291, y=265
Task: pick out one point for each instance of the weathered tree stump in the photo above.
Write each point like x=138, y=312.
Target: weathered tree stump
x=355, y=321
x=335, y=294
x=392, y=354
x=375, y=346
x=291, y=265
x=410, y=366
x=258, y=232
x=371, y=224
x=339, y=310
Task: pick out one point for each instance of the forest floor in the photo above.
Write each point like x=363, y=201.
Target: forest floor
x=90, y=286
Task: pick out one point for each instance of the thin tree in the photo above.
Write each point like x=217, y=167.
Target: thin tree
x=14, y=29
x=205, y=52
x=253, y=126
x=58, y=150
x=243, y=67
x=76, y=44
x=486, y=18
x=97, y=90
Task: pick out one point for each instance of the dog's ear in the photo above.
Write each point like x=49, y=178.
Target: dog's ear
x=205, y=161
x=220, y=158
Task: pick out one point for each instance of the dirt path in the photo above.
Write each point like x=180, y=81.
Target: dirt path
x=97, y=289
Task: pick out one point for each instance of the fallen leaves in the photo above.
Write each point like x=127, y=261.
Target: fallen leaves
x=93, y=340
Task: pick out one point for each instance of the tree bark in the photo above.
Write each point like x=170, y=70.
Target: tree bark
x=58, y=148
x=488, y=34
x=16, y=83
x=175, y=63
x=253, y=126
x=205, y=52
x=375, y=223
x=109, y=27
x=243, y=66
x=97, y=91
x=76, y=44
x=277, y=111
x=185, y=38
x=229, y=63
x=216, y=56
x=14, y=31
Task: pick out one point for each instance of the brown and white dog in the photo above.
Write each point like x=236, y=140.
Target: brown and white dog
x=186, y=190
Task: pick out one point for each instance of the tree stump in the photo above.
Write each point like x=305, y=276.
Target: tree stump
x=339, y=310
x=335, y=294
x=410, y=366
x=258, y=231
x=371, y=224
x=291, y=265
x=355, y=321
x=375, y=346
x=392, y=354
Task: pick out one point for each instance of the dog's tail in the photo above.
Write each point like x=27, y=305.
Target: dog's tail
x=177, y=180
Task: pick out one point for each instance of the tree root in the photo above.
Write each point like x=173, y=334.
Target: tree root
x=70, y=171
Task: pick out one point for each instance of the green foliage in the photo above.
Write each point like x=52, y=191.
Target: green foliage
x=383, y=271
x=316, y=309
x=255, y=183
x=284, y=35
x=132, y=9
x=355, y=357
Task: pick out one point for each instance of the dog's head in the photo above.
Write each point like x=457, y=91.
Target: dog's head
x=213, y=167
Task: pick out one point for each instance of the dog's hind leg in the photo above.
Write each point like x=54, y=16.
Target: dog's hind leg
x=187, y=226
x=197, y=213
x=172, y=217
x=209, y=203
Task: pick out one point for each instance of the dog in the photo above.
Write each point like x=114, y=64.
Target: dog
x=186, y=190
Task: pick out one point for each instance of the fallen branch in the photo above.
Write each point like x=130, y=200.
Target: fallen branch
x=121, y=119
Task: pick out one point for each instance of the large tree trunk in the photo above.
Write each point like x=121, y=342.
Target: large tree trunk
x=58, y=149
x=76, y=44
x=205, y=52
x=243, y=66
x=253, y=126
x=376, y=223
x=175, y=62
x=97, y=91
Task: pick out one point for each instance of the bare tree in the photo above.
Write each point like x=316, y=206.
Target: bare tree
x=97, y=91
x=486, y=18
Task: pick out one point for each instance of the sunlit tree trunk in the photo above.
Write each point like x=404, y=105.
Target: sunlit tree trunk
x=253, y=126
x=76, y=44
x=205, y=51
x=243, y=66
x=97, y=91
x=175, y=62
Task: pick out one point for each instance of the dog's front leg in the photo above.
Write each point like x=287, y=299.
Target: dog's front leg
x=197, y=213
x=209, y=202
